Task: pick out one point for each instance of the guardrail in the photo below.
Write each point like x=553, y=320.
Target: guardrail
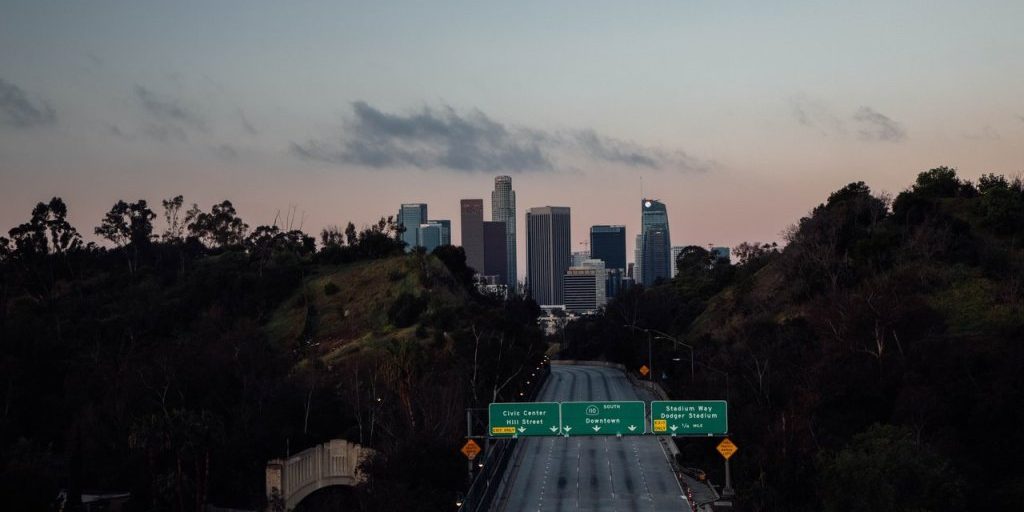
x=487, y=482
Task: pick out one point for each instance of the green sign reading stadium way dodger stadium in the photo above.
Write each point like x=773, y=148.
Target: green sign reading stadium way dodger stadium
x=515, y=419
x=603, y=418
x=690, y=417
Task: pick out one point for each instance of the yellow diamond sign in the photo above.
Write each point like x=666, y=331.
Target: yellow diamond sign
x=644, y=370
x=726, y=448
x=470, y=449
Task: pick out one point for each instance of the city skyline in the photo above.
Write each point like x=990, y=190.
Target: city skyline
x=759, y=132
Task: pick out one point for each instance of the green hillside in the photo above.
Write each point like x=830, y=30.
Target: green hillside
x=341, y=307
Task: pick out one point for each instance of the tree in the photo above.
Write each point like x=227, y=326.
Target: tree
x=351, y=237
x=221, y=228
x=130, y=227
x=176, y=223
x=884, y=469
x=5, y=249
x=332, y=236
x=47, y=232
x=1002, y=203
x=937, y=183
x=751, y=253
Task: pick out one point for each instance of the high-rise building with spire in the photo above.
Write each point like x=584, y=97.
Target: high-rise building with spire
x=656, y=243
x=503, y=209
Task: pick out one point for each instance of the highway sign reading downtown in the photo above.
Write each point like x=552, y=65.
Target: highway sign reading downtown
x=603, y=418
x=677, y=418
x=524, y=419
x=690, y=417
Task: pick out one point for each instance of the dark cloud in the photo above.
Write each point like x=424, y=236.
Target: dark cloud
x=1021, y=118
x=608, y=149
x=986, y=133
x=167, y=109
x=226, y=152
x=869, y=124
x=17, y=110
x=165, y=132
x=876, y=126
x=246, y=125
x=814, y=114
x=444, y=138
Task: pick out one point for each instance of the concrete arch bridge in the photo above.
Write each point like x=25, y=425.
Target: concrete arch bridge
x=333, y=463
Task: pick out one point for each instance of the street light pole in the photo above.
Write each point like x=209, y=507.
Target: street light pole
x=675, y=342
x=650, y=359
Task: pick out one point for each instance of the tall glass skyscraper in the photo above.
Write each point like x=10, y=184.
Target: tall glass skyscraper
x=656, y=248
x=446, y=230
x=411, y=215
x=503, y=209
x=548, y=253
x=608, y=244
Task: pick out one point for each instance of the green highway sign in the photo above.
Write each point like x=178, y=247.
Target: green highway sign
x=690, y=417
x=516, y=419
x=603, y=418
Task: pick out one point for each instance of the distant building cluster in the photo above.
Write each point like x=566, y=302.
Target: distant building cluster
x=556, y=277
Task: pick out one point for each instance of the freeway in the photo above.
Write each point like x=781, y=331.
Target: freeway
x=590, y=473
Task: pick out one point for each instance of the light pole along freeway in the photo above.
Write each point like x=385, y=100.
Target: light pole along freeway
x=597, y=473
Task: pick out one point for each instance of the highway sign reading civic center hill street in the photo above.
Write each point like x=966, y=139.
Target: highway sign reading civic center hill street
x=523, y=419
x=690, y=417
x=603, y=418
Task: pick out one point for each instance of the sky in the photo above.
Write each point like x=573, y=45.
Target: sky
x=740, y=116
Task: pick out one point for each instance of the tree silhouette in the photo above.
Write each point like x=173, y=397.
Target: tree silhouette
x=130, y=227
x=47, y=232
x=220, y=228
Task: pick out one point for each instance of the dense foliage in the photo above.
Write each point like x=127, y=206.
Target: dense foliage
x=873, y=363
x=175, y=365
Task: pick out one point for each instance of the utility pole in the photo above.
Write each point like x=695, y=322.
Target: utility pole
x=650, y=360
x=469, y=435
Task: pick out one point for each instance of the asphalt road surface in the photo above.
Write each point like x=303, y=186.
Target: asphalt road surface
x=603, y=473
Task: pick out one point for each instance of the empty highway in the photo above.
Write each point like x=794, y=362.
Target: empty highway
x=603, y=473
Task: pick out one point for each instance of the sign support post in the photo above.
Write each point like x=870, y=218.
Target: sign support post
x=726, y=448
x=728, y=490
x=469, y=432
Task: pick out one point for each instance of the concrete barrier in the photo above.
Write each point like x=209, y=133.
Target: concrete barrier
x=574, y=362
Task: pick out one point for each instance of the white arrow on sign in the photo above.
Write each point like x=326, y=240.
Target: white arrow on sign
x=596, y=428
x=673, y=428
x=554, y=428
x=522, y=429
x=568, y=429
x=631, y=428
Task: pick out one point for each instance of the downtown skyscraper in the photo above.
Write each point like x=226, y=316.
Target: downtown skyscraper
x=503, y=209
x=608, y=244
x=473, y=232
x=656, y=243
x=411, y=215
x=548, y=253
